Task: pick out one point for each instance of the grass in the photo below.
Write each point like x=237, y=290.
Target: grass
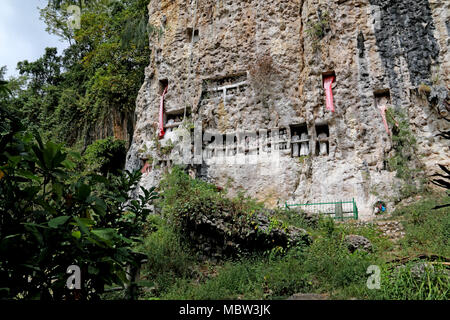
x=258, y=277
x=168, y=257
x=403, y=283
x=326, y=266
x=427, y=230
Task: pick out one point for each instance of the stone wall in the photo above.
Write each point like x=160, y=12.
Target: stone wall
x=256, y=64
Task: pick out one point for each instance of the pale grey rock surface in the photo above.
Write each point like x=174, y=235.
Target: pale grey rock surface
x=375, y=52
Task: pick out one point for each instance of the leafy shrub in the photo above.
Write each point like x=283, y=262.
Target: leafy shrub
x=405, y=283
x=427, y=230
x=317, y=29
x=105, y=156
x=333, y=266
x=168, y=258
x=325, y=266
x=405, y=161
x=219, y=226
x=295, y=218
x=49, y=223
x=255, y=277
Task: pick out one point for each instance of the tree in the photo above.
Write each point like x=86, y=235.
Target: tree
x=4, y=90
x=48, y=223
x=46, y=71
x=72, y=97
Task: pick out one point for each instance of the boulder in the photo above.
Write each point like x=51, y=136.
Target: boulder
x=355, y=242
x=222, y=234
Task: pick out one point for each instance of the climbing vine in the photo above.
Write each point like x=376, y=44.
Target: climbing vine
x=317, y=29
x=405, y=161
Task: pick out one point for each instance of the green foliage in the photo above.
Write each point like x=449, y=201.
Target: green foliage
x=167, y=149
x=46, y=71
x=4, y=90
x=168, y=258
x=94, y=83
x=405, y=283
x=206, y=217
x=178, y=185
x=316, y=29
x=105, y=156
x=254, y=277
x=49, y=224
x=427, y=230
x=405, y=161
x=293, y=218
x=325, y=266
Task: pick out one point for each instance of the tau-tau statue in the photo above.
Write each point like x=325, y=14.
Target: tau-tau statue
x=304, y=149
x=323, y=144
x=295, y=145
x=169, y=123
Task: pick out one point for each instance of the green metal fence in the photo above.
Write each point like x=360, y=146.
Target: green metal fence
x=341, y=210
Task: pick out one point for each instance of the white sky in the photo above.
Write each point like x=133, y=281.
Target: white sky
x=22, y=34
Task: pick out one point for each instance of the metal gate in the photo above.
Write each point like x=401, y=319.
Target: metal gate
x=340, y=210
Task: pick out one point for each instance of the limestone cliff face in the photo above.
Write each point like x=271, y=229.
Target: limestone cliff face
x=117, y=124
x=256, y=64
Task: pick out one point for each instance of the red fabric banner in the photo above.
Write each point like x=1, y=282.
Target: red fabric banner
x=327, y=83
x=146, y=168
x=161, y=114
x=383, y=115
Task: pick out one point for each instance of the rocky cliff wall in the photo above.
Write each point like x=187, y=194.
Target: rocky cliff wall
x=235, y=66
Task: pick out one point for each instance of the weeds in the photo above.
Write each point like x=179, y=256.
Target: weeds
x=168, y=259
x=405, y=283
x=317, y=29
x=326, y=266
x=405, y=161
x=427, y=230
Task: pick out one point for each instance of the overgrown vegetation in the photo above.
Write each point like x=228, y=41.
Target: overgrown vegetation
x=179, y=270
x=316, y=30
x=77, y=97
x=427, y=230
x=49, y=223
x=221, y=226
x=405, y=161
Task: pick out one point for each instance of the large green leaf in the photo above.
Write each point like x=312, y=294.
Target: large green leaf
x=69, y=164
x=58, y=221
x=82, y=225
x=76, y=234
x=28, y=175
x=49, y=153
x=106, y=235
x=83, y=191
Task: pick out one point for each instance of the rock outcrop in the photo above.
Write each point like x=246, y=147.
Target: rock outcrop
x=218, y=234
x=355, y=242
x=235, y=66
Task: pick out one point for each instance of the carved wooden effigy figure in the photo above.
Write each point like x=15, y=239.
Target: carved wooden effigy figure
x=168, y=124
x=304, y=149
x=323, y=145
x=295, y=146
